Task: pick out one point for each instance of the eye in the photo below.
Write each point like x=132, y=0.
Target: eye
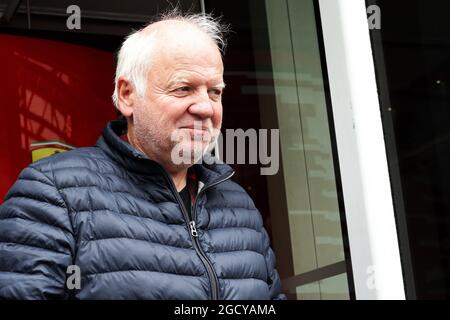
x=183, y=89
x=215, y=92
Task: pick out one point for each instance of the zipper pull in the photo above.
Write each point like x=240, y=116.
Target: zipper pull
x=193, y=228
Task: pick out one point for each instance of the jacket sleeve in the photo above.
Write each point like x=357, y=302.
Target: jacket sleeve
x=273, y=276
x=36, y=239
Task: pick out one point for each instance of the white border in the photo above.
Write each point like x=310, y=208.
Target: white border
x=364, y=172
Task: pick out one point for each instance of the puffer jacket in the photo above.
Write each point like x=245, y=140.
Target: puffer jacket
x=116, y=215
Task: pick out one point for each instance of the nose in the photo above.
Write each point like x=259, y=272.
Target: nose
x=202, y=107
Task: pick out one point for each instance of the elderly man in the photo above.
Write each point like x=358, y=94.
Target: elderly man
x=124, y=216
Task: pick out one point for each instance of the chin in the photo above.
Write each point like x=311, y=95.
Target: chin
x=186, y=154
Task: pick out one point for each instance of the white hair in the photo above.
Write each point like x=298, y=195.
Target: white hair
x=134, y=56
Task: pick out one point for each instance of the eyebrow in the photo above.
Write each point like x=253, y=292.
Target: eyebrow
x=183, y=80
x=221, y=85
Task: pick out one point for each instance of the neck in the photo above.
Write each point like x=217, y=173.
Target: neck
x=179, y=179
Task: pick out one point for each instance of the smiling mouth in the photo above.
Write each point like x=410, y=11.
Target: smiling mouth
x=197, y=131
x=196, y=128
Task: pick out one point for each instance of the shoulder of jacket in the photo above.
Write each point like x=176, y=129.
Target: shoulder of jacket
x=230, y=185
x=235, y=190
x=80, y=157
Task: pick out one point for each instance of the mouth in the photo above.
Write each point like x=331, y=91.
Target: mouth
x=198, y=133
x=196, y=130
x=199, y=128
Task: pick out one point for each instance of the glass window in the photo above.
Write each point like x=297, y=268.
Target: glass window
x=412, y=60
x=276, y=80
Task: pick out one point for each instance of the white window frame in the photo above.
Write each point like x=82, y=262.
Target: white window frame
x=374, y=247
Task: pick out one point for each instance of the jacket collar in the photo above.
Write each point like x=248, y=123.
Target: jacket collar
x=135, y=161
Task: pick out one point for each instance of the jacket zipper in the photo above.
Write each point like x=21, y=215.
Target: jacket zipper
x=213, y=280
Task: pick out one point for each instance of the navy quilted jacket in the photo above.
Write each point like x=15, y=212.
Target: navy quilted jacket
x=116, y=215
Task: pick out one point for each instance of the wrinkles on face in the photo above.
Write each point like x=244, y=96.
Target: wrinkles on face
x=185, y=85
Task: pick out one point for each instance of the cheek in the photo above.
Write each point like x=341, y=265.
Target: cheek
x=217, y=117
x=144, y=117
x=171, y=111
x=162, y=114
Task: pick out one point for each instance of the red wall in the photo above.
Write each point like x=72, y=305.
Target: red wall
x=49, y=90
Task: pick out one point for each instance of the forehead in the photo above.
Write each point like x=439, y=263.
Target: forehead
x=183, y=52
x=193, y=73
x=175, y=71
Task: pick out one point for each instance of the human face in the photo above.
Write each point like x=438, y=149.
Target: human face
x=183, y=101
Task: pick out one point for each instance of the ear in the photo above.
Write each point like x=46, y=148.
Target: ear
x=127, y=97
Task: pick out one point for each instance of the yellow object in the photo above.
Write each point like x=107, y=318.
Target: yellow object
x=41, y=150
x=42, y=153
